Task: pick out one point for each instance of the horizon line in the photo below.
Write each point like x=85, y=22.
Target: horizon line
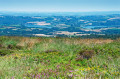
x=58, y=11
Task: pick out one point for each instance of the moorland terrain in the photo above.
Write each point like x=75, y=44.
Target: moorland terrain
x=59, y=58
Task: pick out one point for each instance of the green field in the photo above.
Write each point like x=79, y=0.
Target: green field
x=59, y=58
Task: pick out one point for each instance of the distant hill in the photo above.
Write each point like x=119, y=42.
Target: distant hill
x=58, y=13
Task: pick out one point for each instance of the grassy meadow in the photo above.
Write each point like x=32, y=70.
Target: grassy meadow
x=59, y=58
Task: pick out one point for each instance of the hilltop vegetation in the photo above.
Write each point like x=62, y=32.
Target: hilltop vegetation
x=59, y=58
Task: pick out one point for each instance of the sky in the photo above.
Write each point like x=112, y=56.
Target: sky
x=59, y=5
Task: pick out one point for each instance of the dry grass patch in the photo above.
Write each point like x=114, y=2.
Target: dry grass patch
x=87, y=41
x=28, y=42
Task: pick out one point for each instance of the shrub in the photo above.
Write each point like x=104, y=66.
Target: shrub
x=1, y=46
x=4, y=52
x=86, y=54
x=49, y=51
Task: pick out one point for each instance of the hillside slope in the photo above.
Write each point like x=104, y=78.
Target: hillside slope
x=64, y=58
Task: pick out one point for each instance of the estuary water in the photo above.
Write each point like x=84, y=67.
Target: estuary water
x=37, y=26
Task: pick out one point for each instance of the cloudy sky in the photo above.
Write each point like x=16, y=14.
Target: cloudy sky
x=60, y=5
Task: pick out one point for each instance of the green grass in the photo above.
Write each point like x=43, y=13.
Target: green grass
x=59, y=58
